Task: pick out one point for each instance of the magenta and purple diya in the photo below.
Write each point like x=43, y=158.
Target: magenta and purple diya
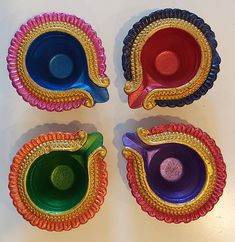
x=169, y=59
x=58, y=181
x=56, y=62
x=176, y=172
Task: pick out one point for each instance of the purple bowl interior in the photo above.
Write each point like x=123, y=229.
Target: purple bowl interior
x=193, y=177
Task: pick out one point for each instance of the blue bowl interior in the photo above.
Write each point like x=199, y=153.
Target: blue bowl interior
x=57, y=61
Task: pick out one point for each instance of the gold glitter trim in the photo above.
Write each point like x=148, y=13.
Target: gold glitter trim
x=60, y=96
x=168, y=93
x=140, y=174
x=62, y=145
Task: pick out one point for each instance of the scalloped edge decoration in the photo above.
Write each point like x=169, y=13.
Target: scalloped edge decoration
x=82, y=96
x=176, y=14
x=92, y=201
x=144, y=200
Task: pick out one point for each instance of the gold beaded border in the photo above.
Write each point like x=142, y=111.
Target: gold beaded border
x=140, y=174
x=62, y=145
x=60, y=96
x=169, y=93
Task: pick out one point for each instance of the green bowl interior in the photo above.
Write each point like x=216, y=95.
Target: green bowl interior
x=57, y=181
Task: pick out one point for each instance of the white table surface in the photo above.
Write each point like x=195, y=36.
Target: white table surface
x=120, y=218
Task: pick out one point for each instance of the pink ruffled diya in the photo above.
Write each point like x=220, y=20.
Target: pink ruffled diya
x=22, y=34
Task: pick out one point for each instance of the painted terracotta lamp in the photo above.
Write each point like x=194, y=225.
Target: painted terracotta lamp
x=56, y=62
x=169, y=59
x=58, y=181
x=176, y=172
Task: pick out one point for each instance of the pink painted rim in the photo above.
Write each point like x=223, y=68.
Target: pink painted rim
x=22, y=33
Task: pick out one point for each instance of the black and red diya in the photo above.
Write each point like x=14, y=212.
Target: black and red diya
x=175, y=171
x=169, y=59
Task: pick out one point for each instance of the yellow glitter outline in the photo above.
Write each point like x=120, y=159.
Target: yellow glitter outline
x=60, y=96
x=168, y=93
x=61, y=145
x=140, y=173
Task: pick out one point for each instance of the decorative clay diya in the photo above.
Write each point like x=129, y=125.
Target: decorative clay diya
x=56, y=62
x=176, y=172
x=58, y=181
x=169, y=59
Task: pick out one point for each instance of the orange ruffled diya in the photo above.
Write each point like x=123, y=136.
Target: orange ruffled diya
x=58, y=181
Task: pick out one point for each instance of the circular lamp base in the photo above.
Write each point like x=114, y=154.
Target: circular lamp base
x=171, y=169
x=60, y=63
x=169, y=59
x=176, y=172
x=58, y=181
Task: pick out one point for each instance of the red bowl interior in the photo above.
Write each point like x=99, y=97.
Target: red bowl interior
x=170, y=58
